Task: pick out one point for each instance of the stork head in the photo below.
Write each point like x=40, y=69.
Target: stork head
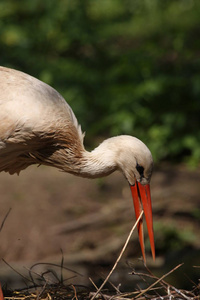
x=135, y=161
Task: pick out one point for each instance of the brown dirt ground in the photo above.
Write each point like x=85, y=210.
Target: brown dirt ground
x=90, y=219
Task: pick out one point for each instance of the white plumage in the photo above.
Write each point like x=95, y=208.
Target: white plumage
x=37, y=126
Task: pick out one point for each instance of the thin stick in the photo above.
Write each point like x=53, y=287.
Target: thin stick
x=25, y=278
x=119, y=257
x=93, y=283
x=157, y=281
x=75, y=294
x=4, y=219
x=180, y=293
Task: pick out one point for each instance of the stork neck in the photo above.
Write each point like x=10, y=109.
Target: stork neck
x=97, y=163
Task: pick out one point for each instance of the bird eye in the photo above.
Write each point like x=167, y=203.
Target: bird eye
x=140, y=170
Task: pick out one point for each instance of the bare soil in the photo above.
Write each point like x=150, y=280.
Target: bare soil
x=90, y=220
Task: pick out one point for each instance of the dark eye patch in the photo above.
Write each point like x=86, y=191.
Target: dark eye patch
x=140, y=170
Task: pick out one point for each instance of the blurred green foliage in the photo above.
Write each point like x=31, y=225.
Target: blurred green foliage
x=169, y=238
x=125, y=66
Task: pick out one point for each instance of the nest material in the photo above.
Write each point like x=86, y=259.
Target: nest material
x=41, y=288
x=157, y=290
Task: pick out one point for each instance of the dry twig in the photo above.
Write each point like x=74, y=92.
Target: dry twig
x=119, y=257
x=4, y=219
x=157, y=281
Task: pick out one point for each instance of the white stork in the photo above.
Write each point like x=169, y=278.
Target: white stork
x=37, y=126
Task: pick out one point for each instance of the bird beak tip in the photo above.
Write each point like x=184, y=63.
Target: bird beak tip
x=142, y=197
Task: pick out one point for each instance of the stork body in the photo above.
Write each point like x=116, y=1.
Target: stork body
x=37, y=126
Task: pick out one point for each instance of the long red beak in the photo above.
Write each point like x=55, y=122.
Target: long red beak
x=142, y=197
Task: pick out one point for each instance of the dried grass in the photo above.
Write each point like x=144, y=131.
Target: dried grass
x=160, y=289
x=39, y=288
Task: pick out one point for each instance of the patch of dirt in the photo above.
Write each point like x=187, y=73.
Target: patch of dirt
x=91, y=219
